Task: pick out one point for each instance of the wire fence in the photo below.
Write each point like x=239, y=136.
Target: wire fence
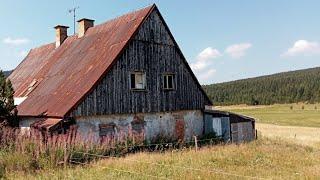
x=126, y=148
x=214, y=171
x=124, y=171
x=185, y=168
x=177, y=143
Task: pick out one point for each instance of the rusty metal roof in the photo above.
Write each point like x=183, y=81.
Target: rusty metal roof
x=46, y=123
x=55, y=80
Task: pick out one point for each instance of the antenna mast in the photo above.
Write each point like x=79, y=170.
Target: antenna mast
x=73, y=10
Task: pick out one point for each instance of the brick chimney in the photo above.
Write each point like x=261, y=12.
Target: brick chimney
x=61, y=34
x=84, y=25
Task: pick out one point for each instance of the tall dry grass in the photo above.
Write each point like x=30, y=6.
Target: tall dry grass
x=264, y=158
x=33, y=150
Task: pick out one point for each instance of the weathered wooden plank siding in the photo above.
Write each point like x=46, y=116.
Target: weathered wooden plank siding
x=154, y=52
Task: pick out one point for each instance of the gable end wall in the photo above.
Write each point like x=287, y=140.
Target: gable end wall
x=153, y=51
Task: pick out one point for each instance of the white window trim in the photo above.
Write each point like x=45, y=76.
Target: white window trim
x=166, y=79
x=144, y=84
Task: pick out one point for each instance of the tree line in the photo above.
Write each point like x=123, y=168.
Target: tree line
x=8, y=111
x=287, y=87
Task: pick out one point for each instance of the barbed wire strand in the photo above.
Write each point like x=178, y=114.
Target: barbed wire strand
x=124, y=171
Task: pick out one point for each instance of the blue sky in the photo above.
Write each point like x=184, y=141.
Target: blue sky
x=222, y=40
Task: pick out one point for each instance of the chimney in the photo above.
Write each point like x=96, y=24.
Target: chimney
x=84, y=25
x=61, y=34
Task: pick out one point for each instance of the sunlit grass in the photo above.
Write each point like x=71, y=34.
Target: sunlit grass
x=263, y=158
x=299, y=135
x=281, y=114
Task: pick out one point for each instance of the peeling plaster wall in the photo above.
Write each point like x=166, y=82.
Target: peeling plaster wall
x=172, y=125
x=25, y=123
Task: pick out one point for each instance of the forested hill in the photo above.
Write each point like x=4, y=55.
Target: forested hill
x=7, y=73
x=287, y=87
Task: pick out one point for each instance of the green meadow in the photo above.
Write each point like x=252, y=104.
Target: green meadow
x=307, y=115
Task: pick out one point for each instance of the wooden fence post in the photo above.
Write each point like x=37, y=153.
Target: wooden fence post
x=196, y=142
x=126, y=144
x=65, y=155
x=256, y=134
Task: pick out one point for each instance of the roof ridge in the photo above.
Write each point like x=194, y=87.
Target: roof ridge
x=124, y=15
x=101, y=24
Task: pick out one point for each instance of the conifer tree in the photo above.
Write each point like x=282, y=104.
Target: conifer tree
x=8, y=113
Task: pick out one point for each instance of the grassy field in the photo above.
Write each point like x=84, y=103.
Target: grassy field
x=307, y=115
x=264, y=158
x=307, y=136
x=297, y=123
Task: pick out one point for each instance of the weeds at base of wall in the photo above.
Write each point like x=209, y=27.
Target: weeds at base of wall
x=35, y=150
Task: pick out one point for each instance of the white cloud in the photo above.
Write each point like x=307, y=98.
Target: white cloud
x=205, y=58
x=15, y=42
x=238, y=50
x=202, y=67
x=208, y=53
x=303, y=47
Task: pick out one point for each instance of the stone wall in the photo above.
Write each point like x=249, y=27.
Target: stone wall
x=170, y=125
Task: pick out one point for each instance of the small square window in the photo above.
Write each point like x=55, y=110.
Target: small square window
x=138, y=80
x=107, y=129
x=168, y=81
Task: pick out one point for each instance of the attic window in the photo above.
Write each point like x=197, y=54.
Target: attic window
x=138, y=80
x=168, y=82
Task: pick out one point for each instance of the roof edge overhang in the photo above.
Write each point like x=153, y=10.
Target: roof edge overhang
x=31, y=116
x=227, y=113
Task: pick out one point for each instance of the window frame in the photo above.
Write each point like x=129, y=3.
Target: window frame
x=165, y=81
x=107, y=129
x=144, y=81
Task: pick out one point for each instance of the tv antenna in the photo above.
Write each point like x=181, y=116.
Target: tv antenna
x=73, y=10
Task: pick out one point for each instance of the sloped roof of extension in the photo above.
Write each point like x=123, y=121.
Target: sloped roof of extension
x=56, y=79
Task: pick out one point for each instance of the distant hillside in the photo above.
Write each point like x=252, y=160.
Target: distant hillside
x=7, y=73
x=287, y=87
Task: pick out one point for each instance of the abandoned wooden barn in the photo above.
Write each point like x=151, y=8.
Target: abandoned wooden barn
x=125, y=74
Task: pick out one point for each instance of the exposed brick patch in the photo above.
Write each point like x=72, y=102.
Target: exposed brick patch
x=179, y=129
x=138, y=124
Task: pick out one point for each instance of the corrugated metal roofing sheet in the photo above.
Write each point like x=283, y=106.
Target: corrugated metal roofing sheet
x=56, y=79
x=46, y=123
